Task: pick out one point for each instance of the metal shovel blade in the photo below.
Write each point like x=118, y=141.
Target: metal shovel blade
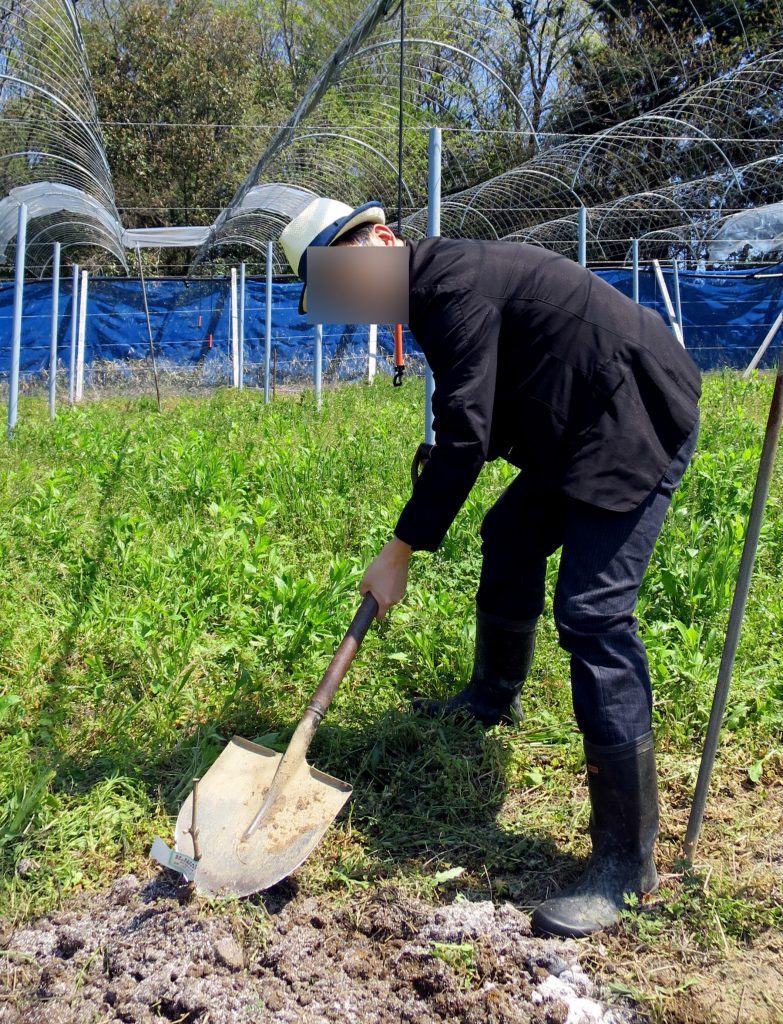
x=229, y=796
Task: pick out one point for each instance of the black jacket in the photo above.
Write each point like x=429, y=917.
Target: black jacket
x=538, y=360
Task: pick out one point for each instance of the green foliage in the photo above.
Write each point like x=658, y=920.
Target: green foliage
x=168, y=580
x=713, y=912
x=189, y=94
x=461, y=957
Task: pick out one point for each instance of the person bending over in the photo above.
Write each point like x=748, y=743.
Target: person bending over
x=538, y=361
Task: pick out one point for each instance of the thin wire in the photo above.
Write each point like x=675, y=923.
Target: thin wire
x=506, y=208
x=476, y=130
x=149, y=325
x=399, y=120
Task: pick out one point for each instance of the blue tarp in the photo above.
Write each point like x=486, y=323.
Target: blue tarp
x=725, y=316
x=191, y=325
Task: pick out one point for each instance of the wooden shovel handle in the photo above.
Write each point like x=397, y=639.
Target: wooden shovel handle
x=344, y=655
x=311, y=719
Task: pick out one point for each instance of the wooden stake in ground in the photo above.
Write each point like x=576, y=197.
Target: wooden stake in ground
x=149, y=325
x=194, y=830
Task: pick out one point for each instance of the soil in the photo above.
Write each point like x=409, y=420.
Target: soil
x=140, y=953
x=747, y=988
x=733, y=982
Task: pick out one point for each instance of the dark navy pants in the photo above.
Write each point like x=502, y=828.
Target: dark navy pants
x=604, y=557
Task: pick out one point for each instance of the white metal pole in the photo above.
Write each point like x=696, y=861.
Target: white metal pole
x=74, y=332
x=319, y=338
x=234, y=329
x=16, y=326
x=582, y=227
x=53, y=338
x=82, y=334
x=667, y=301
x=635, y=259
x=677, y=298
x=764, y=345
x=372, y=347
x=268, y=321
x=434, y=151
x=241, y=326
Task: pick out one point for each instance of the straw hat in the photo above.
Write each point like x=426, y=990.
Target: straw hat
x=321, y=223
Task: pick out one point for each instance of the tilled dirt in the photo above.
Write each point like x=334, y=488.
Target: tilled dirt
x=138, y=954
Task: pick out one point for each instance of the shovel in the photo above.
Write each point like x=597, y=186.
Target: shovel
x=260, y=814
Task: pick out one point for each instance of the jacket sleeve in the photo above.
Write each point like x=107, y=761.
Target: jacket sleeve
x=458, y=333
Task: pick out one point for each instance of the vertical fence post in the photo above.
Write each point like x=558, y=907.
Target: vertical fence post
x=372, y=350
x=234, y=329
x=582, y=232
x=16, y=327
x=53, y=337
x=677, y=298
x=433, y=229
x=74, y=332
x=635, y=258
x=241, y=326
x=319, y=339
x=268, y=321
x=81, y=337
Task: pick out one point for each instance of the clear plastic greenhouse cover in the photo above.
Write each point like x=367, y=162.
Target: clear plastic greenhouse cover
x=49, y=202
x=760, y=229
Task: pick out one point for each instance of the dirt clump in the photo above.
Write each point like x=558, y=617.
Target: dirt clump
x=137, y=954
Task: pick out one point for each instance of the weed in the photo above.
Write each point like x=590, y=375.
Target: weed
x=461, y=958
x=169, y=580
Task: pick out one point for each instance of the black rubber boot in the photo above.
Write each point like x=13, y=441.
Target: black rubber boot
x=502, y=659
x=623, y=788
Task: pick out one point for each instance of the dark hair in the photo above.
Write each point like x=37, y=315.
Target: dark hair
x=360, y=235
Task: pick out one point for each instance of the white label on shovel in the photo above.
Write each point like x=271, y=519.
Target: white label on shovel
x=173, y=859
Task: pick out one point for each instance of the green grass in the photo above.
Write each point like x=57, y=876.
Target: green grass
x=168, y=580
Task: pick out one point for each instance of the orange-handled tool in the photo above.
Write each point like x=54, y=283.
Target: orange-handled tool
x=399, y=362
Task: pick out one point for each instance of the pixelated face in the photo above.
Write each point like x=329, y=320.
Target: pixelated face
x=357, y=284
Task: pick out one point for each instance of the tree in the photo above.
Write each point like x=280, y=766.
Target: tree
x=179, y=92
x=641, y=54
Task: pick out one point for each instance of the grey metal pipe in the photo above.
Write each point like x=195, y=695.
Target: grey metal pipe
x=434, y=151
x=16, y=324
x=268, y=321
x=582, y=232
x=739, y=601
x=677, y=298
x=317, y=362
x=667, y=302
x=81, y=342
x=53, y=336
x=764, y=345
x=74, y=334
x=241, y=326
x=635, y=260
x=234, y=329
